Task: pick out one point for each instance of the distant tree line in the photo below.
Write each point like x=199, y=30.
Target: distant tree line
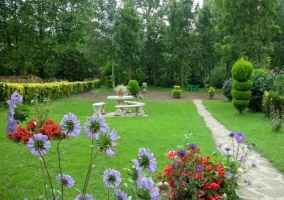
x=160, y=42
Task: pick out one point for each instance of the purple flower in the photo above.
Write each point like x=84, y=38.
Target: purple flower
x=65, y=180
x=120, y=195
x=254, y=165
x=193, y=147
x=11, y=126
x=70, y=125
x=112, y=178
x=229, y=175
x=106, y=142
x=239, y=137
x=137, y=173
x=39, y=144
x=219, y=145
x=150, y=191
x=84, y=197
x=243, y=159
x=198, y=169
x=94, y=125
x=181, y=154
x=248, y=182
x=176, y=164
x=231, y=135
x=16, y=98
x=147, y=160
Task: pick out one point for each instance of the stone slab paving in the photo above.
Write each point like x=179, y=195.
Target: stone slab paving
x=267, y=182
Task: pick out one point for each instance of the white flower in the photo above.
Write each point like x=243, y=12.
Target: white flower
x=122, y=88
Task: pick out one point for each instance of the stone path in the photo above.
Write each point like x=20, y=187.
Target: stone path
x=267, y=182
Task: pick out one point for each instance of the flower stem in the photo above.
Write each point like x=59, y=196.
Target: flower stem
x=48, y=175
x=44, y=180
x=92, y=158
x=60, y=169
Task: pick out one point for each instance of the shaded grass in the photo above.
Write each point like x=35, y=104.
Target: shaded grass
x=256, y=127
x=161, y=131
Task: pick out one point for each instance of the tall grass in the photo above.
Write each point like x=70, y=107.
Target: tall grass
x=162, y=130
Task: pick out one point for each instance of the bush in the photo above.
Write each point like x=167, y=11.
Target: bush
x=272, y=99
x=176, y=92
x=275, y=82
x=241, y=73
x=259, y=79
x=217, y=77
x=211, y=92
x=227, y=88
x=133, y=87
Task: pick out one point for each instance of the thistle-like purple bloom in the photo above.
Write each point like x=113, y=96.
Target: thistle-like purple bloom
x=231, y=135
x=147, y=160
x=84, y=197
x=193, y=147
x=112, y=178
x=39, y=144
x=198, y=169
x=152, y=192
x=248, y=182
x=120, y=195
x=181, y=154
x=16, y=98
x=243, y=159
x=65, y=180
x=106, y=142
x=70, y=125
x=219, y=145
x=94, y=125
x=176, y=164
x=240, y=138
x=254, y=165
x=229, y=175
x=137, y=173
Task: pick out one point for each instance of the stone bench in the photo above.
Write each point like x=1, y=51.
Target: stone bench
x=141, y=111
x=126, y=108
x=99, y=108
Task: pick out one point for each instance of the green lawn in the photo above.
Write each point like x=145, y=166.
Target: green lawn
x=161, y=131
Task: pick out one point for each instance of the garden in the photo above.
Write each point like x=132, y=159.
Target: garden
x=169, y=124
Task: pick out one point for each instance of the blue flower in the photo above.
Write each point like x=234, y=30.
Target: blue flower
x=137, y=173
x=229, y=175
x=120, y=195
x=149, y=190
x=181, y=154
x=106, y=142
x=112, y=178
x=193, y=147
x=39, y=144
x=65, y=180
x=95, y=124
x=198, y=169
x=239, y=137
x=84, y=197
x=70, y=125
x=16, y=98
x=254, y=165
x=147, y=160
x=243, y=159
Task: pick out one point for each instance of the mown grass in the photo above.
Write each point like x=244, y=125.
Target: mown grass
x=161, y=131
x=256, y=127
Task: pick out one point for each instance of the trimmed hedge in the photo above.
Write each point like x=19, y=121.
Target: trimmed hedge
x=241, y=95
x=242, y=86
x=52, y=91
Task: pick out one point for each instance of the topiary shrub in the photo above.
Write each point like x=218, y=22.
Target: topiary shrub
x=211, y=92
x=259, y=79
x=176, y=92
x=227, y=88
x=241, y=73
x=133, y=87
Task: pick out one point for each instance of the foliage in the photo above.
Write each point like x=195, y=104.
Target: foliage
x=275, y=81
x=176, y=92
x=121, y=88
x=277, y=118
x=272, y=99
x=133, y=87
x=107, y=74
x=227, y=88
x=211, y=92
x=259, y=77
x=192, y=176
x=241, y=73
x=217, y=77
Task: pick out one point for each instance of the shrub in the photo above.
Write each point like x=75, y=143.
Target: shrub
x=259, y=79
x=217, y=77
x=133, y=87
x=176, y=92
x=227, y=88
x=241, y=73
x=211, y=92
x=272, y=99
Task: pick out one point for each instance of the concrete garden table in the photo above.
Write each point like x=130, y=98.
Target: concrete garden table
x=120, y=101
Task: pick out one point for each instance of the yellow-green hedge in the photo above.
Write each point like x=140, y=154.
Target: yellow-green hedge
x=52, y=91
